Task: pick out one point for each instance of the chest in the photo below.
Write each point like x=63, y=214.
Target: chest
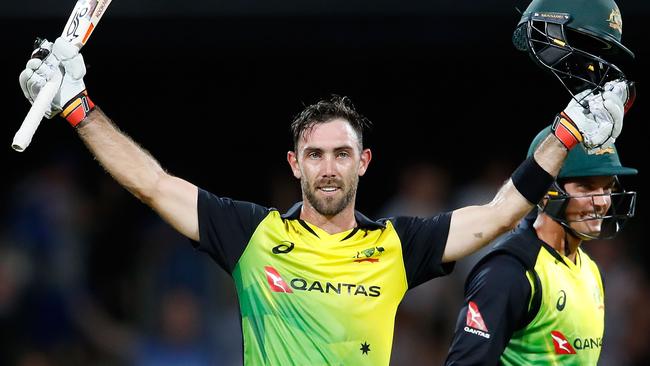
x=572, y=308
x=358, y=264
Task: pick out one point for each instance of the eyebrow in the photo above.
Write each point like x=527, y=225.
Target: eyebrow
x=339, y=148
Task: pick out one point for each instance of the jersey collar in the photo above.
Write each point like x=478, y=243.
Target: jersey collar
x=363, y=222
x=527, y=226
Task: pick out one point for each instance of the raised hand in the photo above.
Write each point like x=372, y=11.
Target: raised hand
x=48, y=59
x=596, y=120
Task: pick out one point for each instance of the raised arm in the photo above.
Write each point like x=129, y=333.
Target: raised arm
x=595, y=120
x=173, y=198
x=472, y=227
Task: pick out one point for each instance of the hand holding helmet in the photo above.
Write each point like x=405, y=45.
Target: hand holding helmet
x=595, y=119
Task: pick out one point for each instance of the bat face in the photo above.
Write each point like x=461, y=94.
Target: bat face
x=82, y=21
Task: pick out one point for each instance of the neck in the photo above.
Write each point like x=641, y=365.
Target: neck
x=340, y=222
x=555, y=235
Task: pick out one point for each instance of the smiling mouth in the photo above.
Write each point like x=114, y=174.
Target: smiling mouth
x=592, y=215
x=328, y=189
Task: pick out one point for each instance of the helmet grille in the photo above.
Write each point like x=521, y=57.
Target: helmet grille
x=520, y=38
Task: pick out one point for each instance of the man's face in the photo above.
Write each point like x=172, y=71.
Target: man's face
x=329, y=162
x=589, y=203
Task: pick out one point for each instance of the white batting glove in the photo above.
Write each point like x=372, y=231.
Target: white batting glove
x=596, y=120
x=47, y=60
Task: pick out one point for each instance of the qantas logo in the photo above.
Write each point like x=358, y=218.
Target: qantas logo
x=474, y=321
x=562, y=346
x=474, y=318
x=276, y=282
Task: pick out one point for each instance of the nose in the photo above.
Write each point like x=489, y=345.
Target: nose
x=329, y=167
x=601, y=201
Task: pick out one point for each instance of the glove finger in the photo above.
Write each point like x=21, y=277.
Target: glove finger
x=34, y=85
x=23, y=79
x=75, y=67
x=45, y=71
x=617, y=88
x=618, y=85
x=613, y=98
x=617, y=112
x=47, y=68
x=33, y=64
x=64, y=50
x=35, y=75
x=51, y=61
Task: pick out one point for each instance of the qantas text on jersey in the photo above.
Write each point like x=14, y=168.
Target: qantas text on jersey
x=277, y=284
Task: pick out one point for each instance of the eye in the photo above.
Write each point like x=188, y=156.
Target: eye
x=612, y=187
x=343, y=154
x=314, y=155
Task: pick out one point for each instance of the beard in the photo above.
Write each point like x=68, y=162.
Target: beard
x=330, y=206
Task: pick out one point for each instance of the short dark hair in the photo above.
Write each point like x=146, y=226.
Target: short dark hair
x=325, y=111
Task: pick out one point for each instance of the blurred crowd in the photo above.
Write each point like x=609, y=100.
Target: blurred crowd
x=90, y=276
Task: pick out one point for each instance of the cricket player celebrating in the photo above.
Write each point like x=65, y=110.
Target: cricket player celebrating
x=537, y=298
x=321, y=283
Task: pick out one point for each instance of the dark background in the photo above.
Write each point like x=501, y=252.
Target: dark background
x=210, y=89
x=212, y=96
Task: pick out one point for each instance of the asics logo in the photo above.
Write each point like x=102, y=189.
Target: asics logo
x=284, y=247
x=561, y=301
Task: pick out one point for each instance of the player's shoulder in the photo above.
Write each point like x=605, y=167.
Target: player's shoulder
x=521, y=243
x=497, y=266
x=512, y=254
x=415, y=223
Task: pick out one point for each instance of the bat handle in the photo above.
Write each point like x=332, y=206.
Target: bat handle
x=41, y=104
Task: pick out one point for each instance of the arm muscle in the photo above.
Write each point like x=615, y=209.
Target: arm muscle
x=174, y=199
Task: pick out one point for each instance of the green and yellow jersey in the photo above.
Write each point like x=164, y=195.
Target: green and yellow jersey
x=312, y=298
x=527, y=304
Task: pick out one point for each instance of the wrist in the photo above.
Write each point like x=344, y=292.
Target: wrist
x=566, y=131
x=531, y=180
x=78, y=108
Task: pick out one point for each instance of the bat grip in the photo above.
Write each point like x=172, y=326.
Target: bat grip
x=32, y=120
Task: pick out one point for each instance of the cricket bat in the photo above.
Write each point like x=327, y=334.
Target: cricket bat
x=77, y=30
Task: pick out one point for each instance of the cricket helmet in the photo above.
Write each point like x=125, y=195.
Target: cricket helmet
x=579, y=163
x=576, y=40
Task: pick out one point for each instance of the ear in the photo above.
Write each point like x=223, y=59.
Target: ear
x=366, y=156
x=292, y=158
